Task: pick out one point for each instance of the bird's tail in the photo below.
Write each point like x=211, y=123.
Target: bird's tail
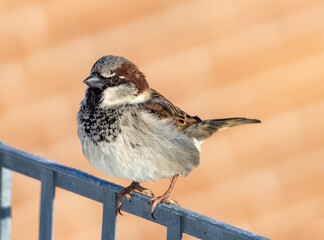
x=206, y=128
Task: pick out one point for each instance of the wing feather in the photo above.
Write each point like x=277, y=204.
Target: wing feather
x=163, y=108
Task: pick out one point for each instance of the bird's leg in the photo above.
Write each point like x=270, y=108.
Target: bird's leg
x=165, y=198
x=126, y=192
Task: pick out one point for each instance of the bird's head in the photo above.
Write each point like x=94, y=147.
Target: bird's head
x=118, y=80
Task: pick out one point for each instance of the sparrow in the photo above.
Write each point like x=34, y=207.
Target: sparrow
x=130, y=131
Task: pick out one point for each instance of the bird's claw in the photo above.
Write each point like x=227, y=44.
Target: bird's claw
x=127, y=192
x=120, y=205
x=164, y=199
x=148, y=192
x=118, y=209
x=128, y=195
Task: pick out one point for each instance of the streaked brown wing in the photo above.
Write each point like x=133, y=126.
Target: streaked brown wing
x=163, y=108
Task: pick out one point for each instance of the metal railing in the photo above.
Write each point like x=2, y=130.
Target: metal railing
x=52, y=175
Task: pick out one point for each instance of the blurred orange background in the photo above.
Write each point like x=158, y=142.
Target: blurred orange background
x=214, y=59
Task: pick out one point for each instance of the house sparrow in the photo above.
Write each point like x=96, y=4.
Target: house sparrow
x=130, y=131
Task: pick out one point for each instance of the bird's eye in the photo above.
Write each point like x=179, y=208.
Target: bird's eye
x=115, y=80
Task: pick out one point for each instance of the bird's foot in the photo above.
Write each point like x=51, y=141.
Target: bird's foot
x=165, y=198
x=145, y=191
x=126, y=192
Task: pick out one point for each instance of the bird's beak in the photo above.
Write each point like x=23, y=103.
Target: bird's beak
x=94, y=81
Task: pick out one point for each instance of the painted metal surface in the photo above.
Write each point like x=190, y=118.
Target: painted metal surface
x=5, y=203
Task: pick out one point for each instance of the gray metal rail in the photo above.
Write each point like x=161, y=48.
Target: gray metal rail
x=52, y=175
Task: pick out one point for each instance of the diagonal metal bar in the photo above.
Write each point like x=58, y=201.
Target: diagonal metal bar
x=46, y=207
x=91, y=187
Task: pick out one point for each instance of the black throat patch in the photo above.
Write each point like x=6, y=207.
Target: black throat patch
x=102, y=124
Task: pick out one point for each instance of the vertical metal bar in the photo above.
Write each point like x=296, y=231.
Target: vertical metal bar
x=109, y=218
x=174, y=231
x=46, y=209
x=5, y=203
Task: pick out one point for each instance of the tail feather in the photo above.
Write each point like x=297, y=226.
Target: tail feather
x=206, y=128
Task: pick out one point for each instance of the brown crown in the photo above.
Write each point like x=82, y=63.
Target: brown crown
x=134, y=75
